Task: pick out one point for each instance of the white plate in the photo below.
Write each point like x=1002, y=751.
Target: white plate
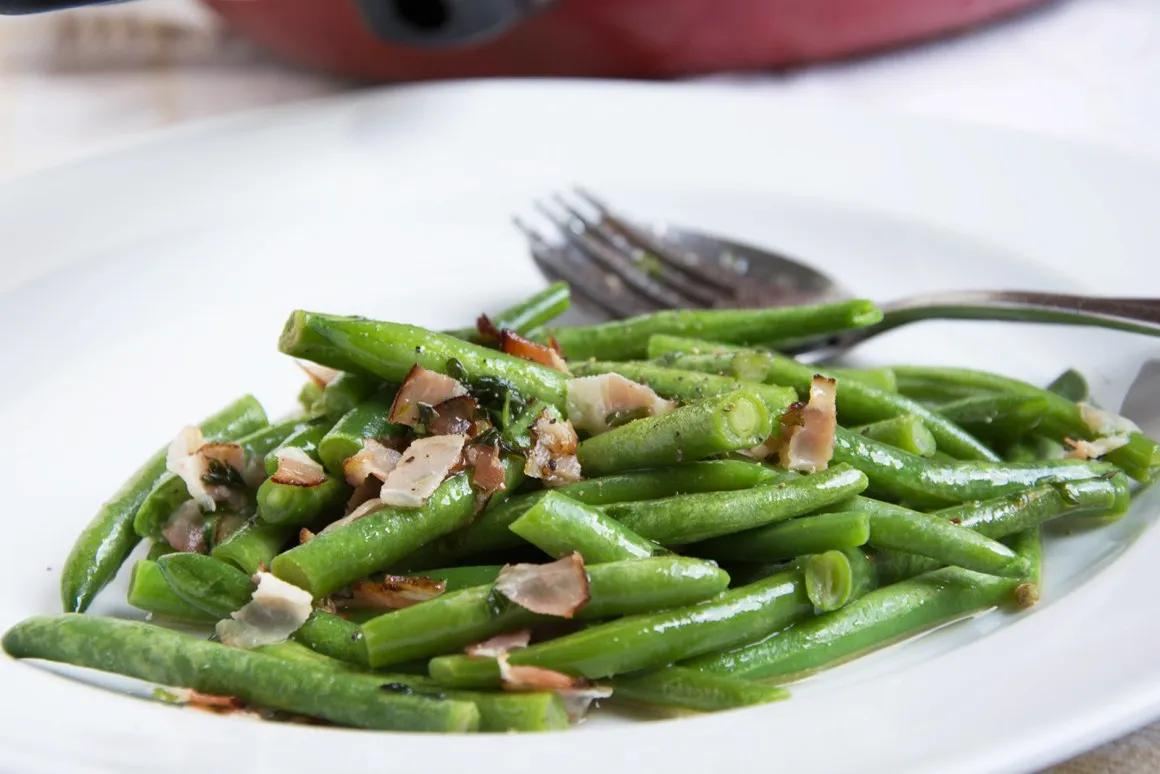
x=144, y=289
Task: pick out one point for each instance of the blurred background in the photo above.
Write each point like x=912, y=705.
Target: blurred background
x=81, y=81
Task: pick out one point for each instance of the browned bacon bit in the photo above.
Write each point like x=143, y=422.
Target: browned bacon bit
x=810, y=446
x=367, y=490
x=514, y=344
x=552, y=458
x=487, y=330
x=365, y=508
x=185, y=529
x=578, y=700
x=533, y=678
x=394, y=592
x=305, y=536
x=500, y=644
x=210, y=702
x=422, y=387
x=373, y=459
x=296, y=468
x=554, y=343
x=487, y=470
x=326, y=605
x=454, y=417
x=558, y=588
x=319, y=374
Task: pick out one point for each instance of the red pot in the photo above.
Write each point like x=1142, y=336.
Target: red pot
x=649, y=38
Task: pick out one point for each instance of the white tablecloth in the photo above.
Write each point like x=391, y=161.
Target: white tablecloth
x=77, y=83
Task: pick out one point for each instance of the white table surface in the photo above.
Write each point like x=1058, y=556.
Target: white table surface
x=81, y=82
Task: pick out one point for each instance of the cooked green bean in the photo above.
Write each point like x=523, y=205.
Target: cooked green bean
x=534, y=311
x=858, y=402
x=490, y=531
x=1003, y=516
x=1033, y=448
x=878, y=378
x=1029, y=545
x=309, y=396
x=457, y=578
x=149, y=591
x=388, y=350
x=255, y=545
x=1061, y=417
x=835, y=578
x=649, y=640
x=449, y=622
x=880, y=618
x=152, y=653
x=731, y=422
x=346, y=391
x=628, y=339
x=105, y=543
x=999, y=417
x=907, y=432
x=694, y=690
x=1070, y=384
x=366, y=420
x=691, y=518
x=559, y=525
x=297, y=506
x=787, y=539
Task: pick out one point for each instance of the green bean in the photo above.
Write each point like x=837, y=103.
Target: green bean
x=785, y=540
x=835, y=578
x=628, y=339
x=687, y=386
x=999, y=417
x=106, y=542
x=880, y=618
x=649, y=640
x=490, y=531
x=878, y=378
x=159, y=655
x=935, y=392
x=300, y=505
x=538, y=309
x=254, y=546
x=388, y=350
x=1003, y=516
x=346, y=391
x=559, y=525
x=366, y=420
x=1070, y=384
x=219, y=589
x=1061, y=418
x=149, y=591
x=158, y=549
x=305, y=438
x=457, y=578
x=1029, y=545
x=455, y=619
x=902, y=476
x=690, y=689
x=309, y=396
x=1033, y=448
x=857, y=402
x=737, y=420
x=691, y=518
x=906, y=432
x=376, y=541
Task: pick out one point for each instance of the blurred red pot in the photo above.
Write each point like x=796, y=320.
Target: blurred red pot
x=416, y=39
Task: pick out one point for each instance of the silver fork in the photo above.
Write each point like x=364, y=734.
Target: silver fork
x=618, y=268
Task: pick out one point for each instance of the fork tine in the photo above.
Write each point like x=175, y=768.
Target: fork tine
x=690, y=265
x=615, y=262
x=700, y=294
x=586, y=279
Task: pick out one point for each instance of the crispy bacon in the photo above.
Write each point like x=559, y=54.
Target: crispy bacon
x=1090, y=450
x=373, y=459
x=394, y=592
x=275, y=611
x=296, y=468
x=185, y=528
x=319, y=374
x=487, y=330
x=558, y=588
x=810, y=446
x=514, y=344
x=367, y=507
x=422, y=387
x=552, y=458
x=533, y=678
x=578, y=700
x=425, y=464
x=595, y=402
x=454, y=417
x=500, y=644
x=194, y=460
x=487, y=473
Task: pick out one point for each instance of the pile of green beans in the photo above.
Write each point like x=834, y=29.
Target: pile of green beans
x=698, y=569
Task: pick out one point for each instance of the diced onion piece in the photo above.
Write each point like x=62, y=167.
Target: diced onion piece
x=552, y=458
x=373, y=459
x=487, y=474
x=810, y=446
x=533, y=678
x=1103, y=422
x=422, y=387
x=425, y=465
x=319, y=374
x=297, y=468
x=276, y=610
x=365, y=509
x=394, y=592
x=500, y=644
x=514, y=344
x=185, y=528
x=594, y=400
x=558, y=588
x=1090, y=450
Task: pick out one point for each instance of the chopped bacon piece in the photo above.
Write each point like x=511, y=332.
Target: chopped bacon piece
x=394, y=592
x=185, y=528
x=500, y=644
x=319, y=374
x=595, y=402
x=552, y=458
x=454, y=417
x=373, y=459
x=1090, y=450
x=296, y=468
x=1102, y=422
x=276, y=610
x=305, y=536
x=558, y=588
x=366, y=508
x=422, y=387
x=533, y=678
x=514, y=344
x=578, y=700
x=205, y=467
x=810, y=446
x=487, y=475
x=487, y=330
x=425, y=465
